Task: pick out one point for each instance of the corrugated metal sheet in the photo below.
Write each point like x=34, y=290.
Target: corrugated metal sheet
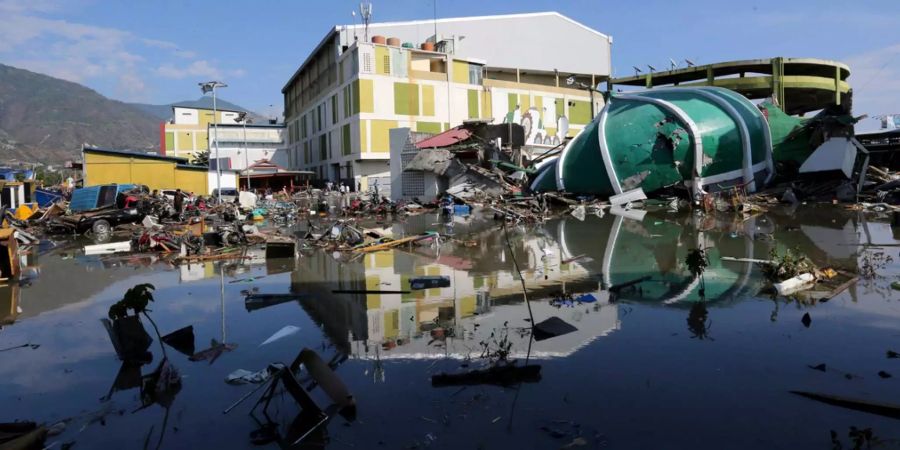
x=450, y=137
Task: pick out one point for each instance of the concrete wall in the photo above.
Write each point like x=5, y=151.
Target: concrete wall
x=229, y=180
x=538, y=41
x=403, y=183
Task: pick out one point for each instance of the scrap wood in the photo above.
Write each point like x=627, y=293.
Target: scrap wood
x=213, y=257
x=375, y=247
x=841, y=287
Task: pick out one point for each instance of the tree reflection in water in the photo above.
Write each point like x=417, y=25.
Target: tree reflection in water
x=698, y=321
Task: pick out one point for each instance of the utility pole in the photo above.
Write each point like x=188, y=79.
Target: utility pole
x=210, y=86
x=242, y=117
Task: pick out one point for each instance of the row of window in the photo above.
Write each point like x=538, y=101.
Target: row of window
x=323, y=148
x=326, y=114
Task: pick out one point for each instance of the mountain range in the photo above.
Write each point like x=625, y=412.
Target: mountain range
x=46, y=119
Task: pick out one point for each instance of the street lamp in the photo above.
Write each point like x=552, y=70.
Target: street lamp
x=242, y=117
x=210, y=86
x=580, y=84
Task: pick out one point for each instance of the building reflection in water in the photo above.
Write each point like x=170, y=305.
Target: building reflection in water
x=578, y=257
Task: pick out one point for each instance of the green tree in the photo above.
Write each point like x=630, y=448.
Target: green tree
x=200, y=158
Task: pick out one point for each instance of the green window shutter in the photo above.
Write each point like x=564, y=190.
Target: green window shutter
x=512, y=101
x=334, y=109
x=354, y=97
x=345, y=139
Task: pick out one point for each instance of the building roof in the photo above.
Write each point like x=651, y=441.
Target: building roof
x=133, y=154
x=207, y=103
x=251, y=125
x=193, y=167
x=476, y=18
x=564, y=54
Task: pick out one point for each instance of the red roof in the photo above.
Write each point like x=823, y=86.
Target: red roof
x=265, y=164
x=450, y=137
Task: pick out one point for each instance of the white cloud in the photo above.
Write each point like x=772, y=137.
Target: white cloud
x=118, y=60
x=197, y=69
x=131, y=87
x=20, y=6
x=170, y=46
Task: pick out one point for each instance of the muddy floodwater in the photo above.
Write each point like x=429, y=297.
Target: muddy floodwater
x=650, y=365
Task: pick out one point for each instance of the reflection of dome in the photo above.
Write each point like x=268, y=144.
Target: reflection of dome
x=653, y=251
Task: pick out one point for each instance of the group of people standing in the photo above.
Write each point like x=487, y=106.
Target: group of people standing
x=341, y=187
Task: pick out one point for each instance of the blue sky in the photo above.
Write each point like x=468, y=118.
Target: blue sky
x=157, y=51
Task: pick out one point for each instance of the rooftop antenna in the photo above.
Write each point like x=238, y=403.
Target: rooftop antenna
x=435, y=22
x=365, y=11
x=353, y=13
x=689, y=63
x=637, y=70
x=674, y=65
x=652, y=69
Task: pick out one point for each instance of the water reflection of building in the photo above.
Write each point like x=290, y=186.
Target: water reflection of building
x=210, y=269
x=599, y=253
x=403, y=325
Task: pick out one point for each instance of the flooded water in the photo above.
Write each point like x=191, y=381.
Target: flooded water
x=650, y=365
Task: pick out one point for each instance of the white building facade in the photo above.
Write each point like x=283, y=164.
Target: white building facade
x=240, y=146
x=341, y=104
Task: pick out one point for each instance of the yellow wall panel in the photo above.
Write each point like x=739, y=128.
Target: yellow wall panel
x=373, y=283
x=381, y=141
x=525, y=102
x=486, y=104
x=428, y=127
x=366, y=96
x=192, y=181
x=106, y=169
x=467, y=306
x=184, y=141
x=363, y=136
x=427, y=100
x=460, y=72
x=382, y=60
x=384, y=260
x=201, y=140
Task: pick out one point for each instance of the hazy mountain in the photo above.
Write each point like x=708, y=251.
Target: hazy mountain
x=47, y=119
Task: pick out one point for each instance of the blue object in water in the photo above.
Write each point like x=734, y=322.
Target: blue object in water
x=461, y=210
x=429, y=282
